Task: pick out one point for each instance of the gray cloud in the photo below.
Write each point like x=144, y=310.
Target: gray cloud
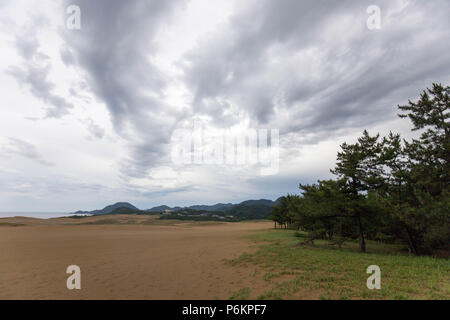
x=17, y=147
x=314, y=61
x=67, y=56
x=20, y=191
x=35, y=69
x=94, y=129
x=359, y=76
x=114, y=47
x=168, y=191
x=309, y=68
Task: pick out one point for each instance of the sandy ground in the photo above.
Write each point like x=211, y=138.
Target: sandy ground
x=125, y=261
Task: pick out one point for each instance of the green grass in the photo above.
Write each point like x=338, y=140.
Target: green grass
x=241, y=294
x=341, y=274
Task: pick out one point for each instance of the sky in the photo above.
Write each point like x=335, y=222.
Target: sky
x=97, y=107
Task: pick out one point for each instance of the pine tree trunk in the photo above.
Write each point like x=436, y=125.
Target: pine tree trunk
x=362, y=242
x=411, y=243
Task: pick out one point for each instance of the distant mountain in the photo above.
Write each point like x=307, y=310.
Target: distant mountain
x=246, y=210
x=215, y=207
x=126, y=210
x=223, y=207
x=110, y=208
x=163, y=208
x=249, y=209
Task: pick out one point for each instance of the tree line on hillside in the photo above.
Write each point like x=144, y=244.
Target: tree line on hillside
x=386, y=188
x=248, y=210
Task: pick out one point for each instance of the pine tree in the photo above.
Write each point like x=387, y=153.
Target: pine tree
x=358, y=166
x=425, y=211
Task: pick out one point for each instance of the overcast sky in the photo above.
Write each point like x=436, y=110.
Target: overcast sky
x=88, y=116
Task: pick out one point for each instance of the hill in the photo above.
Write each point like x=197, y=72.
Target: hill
x=246, y=210
x=162, y=209
x=223, y=207
x=215, y=207
x=110, y=208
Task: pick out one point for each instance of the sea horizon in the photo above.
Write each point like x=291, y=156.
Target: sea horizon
x=35, y=214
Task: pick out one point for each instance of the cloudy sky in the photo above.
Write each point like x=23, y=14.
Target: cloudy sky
x=88, y=117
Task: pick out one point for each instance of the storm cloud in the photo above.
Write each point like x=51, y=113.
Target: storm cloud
x=139, y=70
x=34, y=70
x=314, y=66
x=114, y=46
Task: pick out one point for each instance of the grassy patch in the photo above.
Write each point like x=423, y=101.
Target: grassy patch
x=10, y=224
x=181, y=223
x=241, y=294
x=341, y=274
x=153, y=221
x=101, y=222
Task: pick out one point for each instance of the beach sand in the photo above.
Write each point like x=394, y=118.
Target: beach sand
x=123, y=257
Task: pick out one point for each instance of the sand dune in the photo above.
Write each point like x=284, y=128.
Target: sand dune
x=135, y=260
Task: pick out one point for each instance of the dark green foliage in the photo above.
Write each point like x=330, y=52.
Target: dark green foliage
x=247, y=210
x=387, y=189
x=285, y=211
x=127, y=210
x=194, y=218
x=419, y=193
x=109, y=209
x=251, y=210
